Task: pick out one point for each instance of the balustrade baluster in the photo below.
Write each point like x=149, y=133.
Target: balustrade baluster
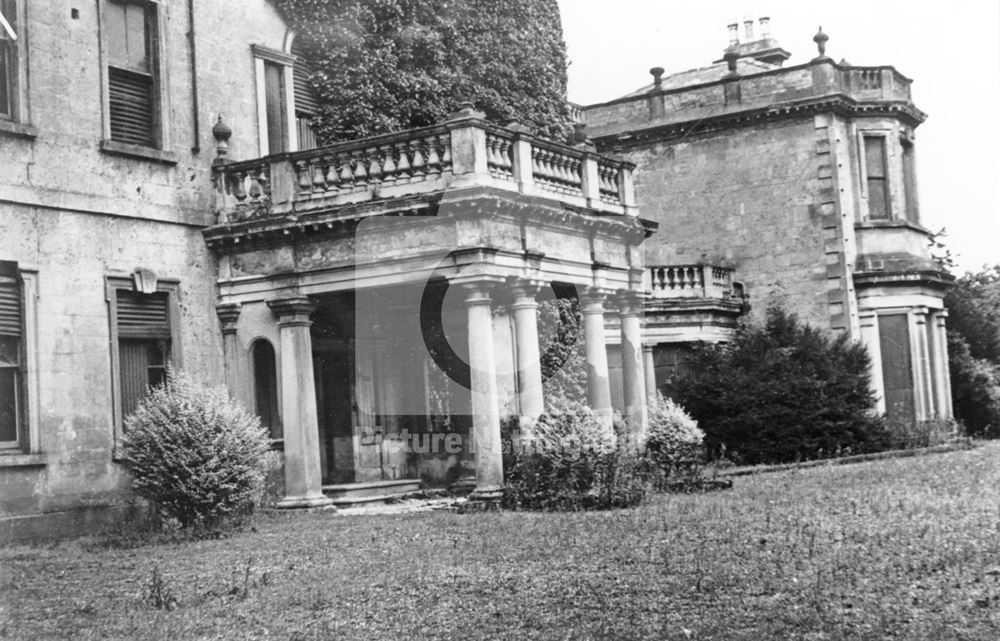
x=318, y=179
x=331, y=173
x=239, y=189
x=304, y=175
x=403, y=166
x=419, y=165
x=374, y=164
x=445, y=141
x=388, y=163
x=360, y=172
x=433, y=158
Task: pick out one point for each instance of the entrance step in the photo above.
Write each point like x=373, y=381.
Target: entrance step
x=356, y=493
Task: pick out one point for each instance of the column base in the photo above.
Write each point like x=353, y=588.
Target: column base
x=305, y=502
x=482, y=501
x=486, y=494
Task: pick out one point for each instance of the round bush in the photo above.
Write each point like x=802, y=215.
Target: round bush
x=674, y=441
x=572, y=461
x=195, y=453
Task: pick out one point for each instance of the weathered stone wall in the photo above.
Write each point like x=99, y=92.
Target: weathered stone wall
x=744, y=197
x=76, y=214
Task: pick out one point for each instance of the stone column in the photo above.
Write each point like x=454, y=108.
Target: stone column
x=598, y=386
x=921, y=365
x=870, y=339
x=633, y=379
x=939, y=361
x=236, y=383
x=303, y=478
x=649, y=370
x=485, y=399
x=529, y=367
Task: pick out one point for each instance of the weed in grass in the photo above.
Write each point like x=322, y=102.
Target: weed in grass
x=158, y=593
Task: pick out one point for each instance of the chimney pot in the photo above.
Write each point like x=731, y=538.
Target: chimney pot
x=734, y=33
x=765, y=27
x=748, y=28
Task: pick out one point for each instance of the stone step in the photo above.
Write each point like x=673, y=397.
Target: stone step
x=373, y=491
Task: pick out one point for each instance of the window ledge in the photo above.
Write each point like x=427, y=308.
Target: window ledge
x=870, y=223
x=18, y=129
x=22, y=460
x=116, y=148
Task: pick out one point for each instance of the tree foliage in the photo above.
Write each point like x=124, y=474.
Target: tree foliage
x=782, y=392
x=973, y=304
x=387, y=65
x=974, y=351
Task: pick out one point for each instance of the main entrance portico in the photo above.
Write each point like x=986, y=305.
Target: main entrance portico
x=397, y=279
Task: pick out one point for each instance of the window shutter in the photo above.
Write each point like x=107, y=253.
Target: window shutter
x=306, y=102
x=130, y=97
x=143, y=315
x=305, y=98
x=10, y=300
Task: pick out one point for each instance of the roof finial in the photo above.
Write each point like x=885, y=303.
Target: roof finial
x=820, y=39
x=221, y=132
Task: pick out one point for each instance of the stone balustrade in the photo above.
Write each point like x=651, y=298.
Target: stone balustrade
x=689, y=281
x=784, y=87
x=463, y=152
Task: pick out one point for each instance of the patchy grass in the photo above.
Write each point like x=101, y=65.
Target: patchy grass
x=906, y=549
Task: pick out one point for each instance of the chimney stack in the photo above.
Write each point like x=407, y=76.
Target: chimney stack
x=748, y=28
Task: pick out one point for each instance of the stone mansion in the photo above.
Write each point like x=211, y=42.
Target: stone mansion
x=163, y=200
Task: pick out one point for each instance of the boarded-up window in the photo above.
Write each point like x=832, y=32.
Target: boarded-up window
x=878, y=188
x=143, y=323
x=897, y=366
x=11, y=372
x=265, y=380
x=131, y=72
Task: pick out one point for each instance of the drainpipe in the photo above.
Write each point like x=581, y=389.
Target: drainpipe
x=196, y=147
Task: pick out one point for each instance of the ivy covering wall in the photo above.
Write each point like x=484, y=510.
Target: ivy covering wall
x=387, y=65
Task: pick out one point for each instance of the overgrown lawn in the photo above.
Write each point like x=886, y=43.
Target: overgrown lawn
x=906, y=549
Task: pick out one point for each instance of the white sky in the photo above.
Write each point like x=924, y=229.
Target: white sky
x=950, y=50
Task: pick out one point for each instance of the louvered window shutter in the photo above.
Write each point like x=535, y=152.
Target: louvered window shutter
x=131, y=68
x=130, y=98
x=10, y=300
x=143, y=315
x=306, y=102
x=10, y=354
x=143, y=322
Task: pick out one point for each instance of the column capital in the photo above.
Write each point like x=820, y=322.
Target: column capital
x=229, y=314
x=478, y=289
x=592, y=299
x=292, y=311
x=524, y=291
x=630, y=302
x=648, y=347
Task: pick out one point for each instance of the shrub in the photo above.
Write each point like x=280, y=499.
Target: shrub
x=783, y=392
x=572, y=461
x=674, y=442
x=194, y=453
